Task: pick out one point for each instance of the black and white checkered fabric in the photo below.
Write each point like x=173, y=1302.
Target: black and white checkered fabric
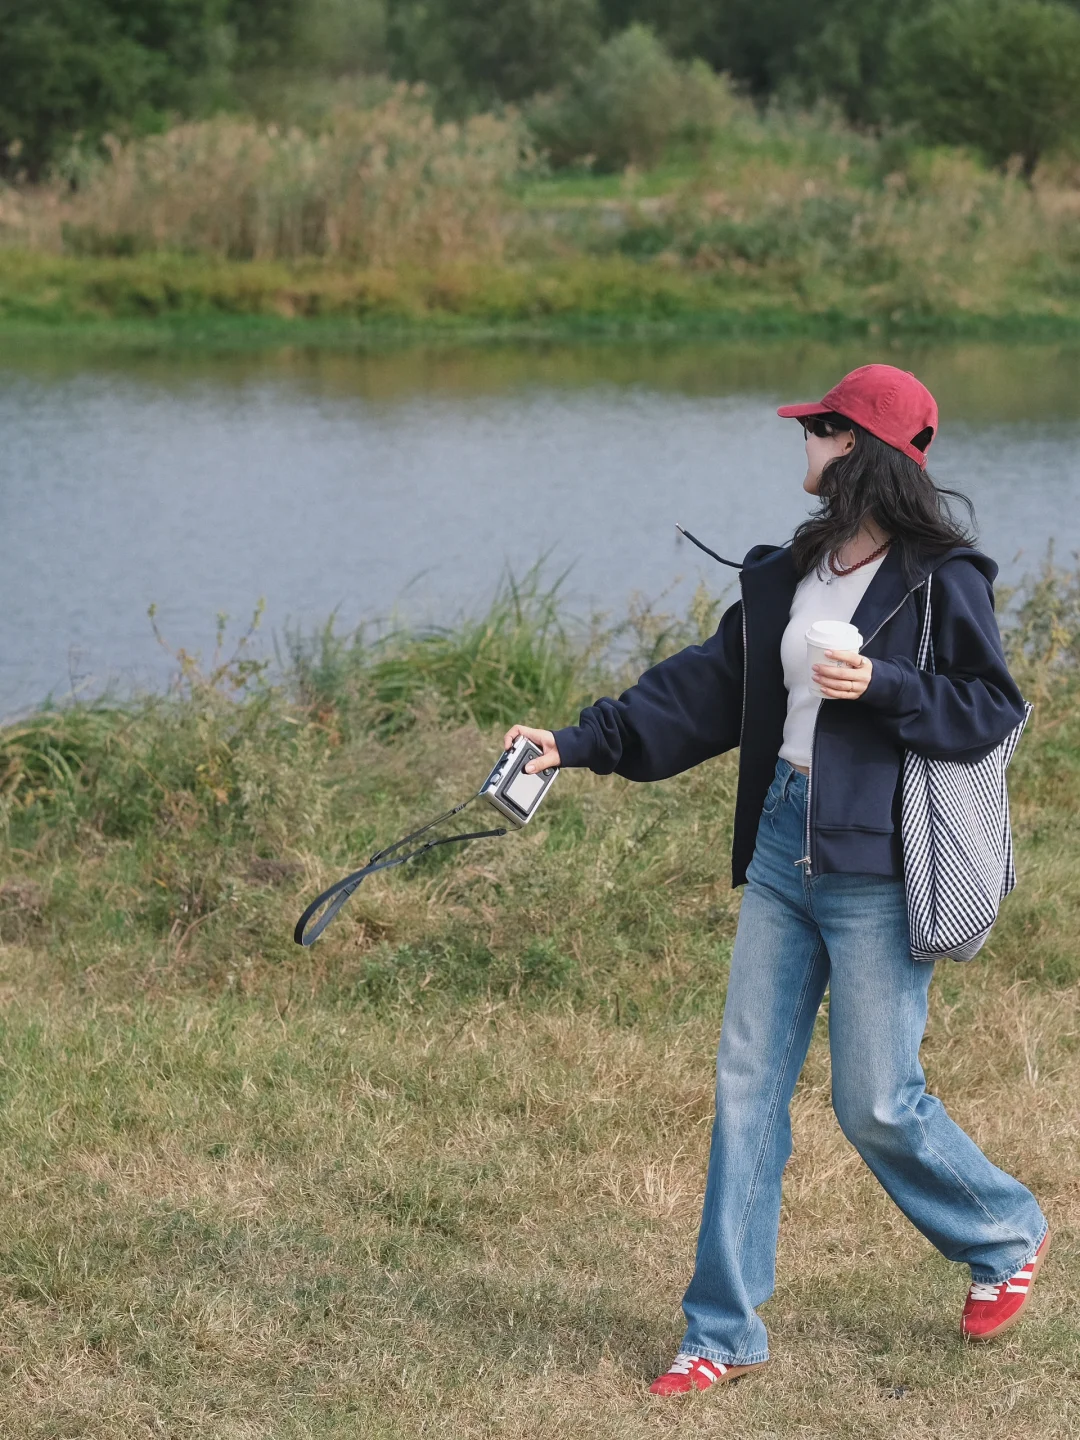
x=958, y=855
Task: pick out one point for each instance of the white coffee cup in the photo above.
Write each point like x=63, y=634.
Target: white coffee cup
x=828, y=635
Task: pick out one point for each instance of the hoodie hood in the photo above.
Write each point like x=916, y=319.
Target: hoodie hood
x=982, y=562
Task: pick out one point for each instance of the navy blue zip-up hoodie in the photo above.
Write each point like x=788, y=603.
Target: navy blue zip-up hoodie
x=707, y=699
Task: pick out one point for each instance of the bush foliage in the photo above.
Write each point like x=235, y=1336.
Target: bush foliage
x=1000, y=75
x=629, y=105
x=71, y=67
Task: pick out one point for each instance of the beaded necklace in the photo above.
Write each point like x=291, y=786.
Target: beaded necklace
x=838, y=572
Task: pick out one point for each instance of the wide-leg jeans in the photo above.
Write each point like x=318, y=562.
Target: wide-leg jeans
x=798, y=934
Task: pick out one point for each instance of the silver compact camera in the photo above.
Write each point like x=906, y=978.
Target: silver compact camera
x=509, y=790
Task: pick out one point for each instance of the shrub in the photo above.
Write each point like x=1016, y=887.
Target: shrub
x=629, y=105
x=518, y=657
x=225, y=753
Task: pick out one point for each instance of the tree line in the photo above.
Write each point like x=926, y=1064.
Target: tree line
x=1002, y=76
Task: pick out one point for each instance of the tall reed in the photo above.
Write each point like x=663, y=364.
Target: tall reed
x=380, y=187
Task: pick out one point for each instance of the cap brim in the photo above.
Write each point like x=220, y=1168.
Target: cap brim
x=798, y=412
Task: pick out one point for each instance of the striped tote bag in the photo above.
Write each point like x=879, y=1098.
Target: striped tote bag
x=958, y=854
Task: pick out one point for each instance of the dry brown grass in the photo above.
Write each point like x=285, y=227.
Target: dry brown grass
x=480, y=1225
x=389, y=186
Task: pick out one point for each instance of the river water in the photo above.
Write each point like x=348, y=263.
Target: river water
x=407, y=481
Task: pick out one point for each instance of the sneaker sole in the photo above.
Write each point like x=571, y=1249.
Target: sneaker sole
x=1036, y=1266
x=734, y=1372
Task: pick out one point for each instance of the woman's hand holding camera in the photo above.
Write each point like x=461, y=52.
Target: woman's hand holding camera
x=839, y=682
x=544, y=739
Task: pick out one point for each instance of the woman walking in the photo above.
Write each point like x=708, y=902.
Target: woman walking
x=817, y=844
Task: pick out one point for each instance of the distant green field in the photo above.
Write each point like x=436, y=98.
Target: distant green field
x=441, y=1175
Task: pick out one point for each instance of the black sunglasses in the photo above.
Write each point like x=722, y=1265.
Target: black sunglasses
x=821, y=427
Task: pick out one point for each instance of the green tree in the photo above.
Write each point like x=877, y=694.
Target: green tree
x=87, y=66
x=846, y=58
x=838, y=51
x=1000, y=75
x=263, y=31
x=476, y=52
x=757, y=40
x=689, y=28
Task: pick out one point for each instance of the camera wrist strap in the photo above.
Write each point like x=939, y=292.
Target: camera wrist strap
x=735, y=564
x=334, y=897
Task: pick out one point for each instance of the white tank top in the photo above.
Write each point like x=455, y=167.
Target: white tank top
x=819, y=595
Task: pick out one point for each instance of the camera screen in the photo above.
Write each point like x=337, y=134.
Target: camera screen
x=524, y=790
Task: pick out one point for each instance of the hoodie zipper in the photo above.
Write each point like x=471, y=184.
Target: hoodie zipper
x=810, y=791
x=742, y=719
x=806, y=859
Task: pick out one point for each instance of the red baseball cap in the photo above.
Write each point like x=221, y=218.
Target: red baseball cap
x=888, y=402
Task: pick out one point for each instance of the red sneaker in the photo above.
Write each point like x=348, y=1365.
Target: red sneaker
x=990, y=1309
x=692, y=1372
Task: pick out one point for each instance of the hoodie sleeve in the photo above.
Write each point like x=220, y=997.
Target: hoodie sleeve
x=972, y=702
x=682, y=711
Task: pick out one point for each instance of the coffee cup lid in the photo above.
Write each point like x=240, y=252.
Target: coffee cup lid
x=836, y=634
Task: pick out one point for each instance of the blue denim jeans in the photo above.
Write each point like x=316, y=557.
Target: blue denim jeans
x=797, y=934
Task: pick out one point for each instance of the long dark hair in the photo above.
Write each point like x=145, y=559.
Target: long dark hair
x=876, y=481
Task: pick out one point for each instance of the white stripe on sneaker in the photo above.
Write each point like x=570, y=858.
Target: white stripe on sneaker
x=980, y=1290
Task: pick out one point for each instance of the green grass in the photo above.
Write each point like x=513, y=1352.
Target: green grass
x=441, y=1175
x=162, y=298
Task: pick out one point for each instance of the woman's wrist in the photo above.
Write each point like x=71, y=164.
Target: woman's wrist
x=573, y=745
x=885, y=686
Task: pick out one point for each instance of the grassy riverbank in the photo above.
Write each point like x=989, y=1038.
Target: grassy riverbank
x=441, y=1175
x=176, y=299
x=387, y=223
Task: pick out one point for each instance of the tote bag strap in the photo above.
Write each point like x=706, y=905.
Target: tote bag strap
x=926, y=639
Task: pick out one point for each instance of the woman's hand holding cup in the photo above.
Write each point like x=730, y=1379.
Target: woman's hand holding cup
x=544, y=739
x=849, y=674
x=847, y=679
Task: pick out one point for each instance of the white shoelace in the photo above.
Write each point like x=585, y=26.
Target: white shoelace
x=982, y=1291
x=684, y=1362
